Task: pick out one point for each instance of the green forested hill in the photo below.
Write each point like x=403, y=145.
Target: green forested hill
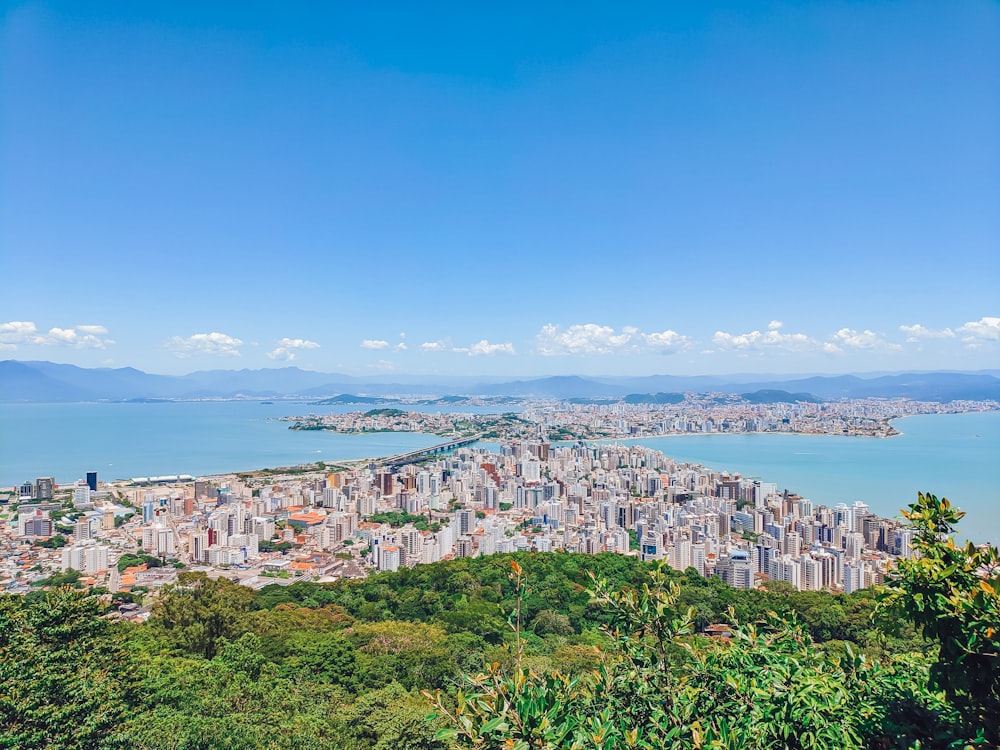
x=476, y=596
x=513, y=651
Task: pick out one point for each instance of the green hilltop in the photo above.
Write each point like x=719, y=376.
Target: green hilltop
x=531, y=650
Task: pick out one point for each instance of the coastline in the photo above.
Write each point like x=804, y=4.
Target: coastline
x=666, y=435
x=933, y=454
x=951, y=458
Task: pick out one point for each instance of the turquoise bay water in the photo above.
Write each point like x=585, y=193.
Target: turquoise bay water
x=121, y=441
x=956, y=455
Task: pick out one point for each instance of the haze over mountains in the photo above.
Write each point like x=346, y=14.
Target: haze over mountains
x=50, y=382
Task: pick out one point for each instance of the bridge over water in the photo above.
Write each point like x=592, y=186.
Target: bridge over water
x=408, y=458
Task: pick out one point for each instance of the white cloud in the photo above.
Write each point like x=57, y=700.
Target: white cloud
x=666, y=341
x=298, y=343
x=383, y=364
x=586, y=338
x=736, y=341
x=16, y=332
x=25, y=332
x=215, y=343
x=917, y=333
x=484, y=347
x=591, y=338
x=374, y=344
x=852, y=339
x=60, y=336
x=792, y=341
x=772, y=339
x=400, y=347
x=977, y=331
x=286, y=347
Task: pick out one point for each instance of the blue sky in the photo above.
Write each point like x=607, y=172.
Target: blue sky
x=502, y=188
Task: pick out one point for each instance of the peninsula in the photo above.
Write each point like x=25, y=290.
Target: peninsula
x=710, y=413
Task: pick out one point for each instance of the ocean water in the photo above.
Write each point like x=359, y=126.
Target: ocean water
x=952, y=455
x=121, y=441
x=955, y=455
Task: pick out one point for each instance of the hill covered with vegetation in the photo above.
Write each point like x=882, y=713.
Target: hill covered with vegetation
x=524, y=651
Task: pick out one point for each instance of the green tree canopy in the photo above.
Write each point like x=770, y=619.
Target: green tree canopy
x=952, y=593
x=62, y=682
x=197, y=612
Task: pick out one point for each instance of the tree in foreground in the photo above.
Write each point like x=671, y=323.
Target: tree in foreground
x=767, y=685
x=952, y=594
x=61, y=672
x=198, y=613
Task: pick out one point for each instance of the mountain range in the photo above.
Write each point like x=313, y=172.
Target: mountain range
x=37, y=382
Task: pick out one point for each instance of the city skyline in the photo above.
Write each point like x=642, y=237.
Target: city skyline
x=694, y=189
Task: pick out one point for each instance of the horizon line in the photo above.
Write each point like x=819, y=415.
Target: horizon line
x=384, y=375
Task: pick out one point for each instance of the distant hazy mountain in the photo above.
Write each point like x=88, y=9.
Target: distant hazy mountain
x=19, y=381
x=562, y=386
x=49, y=382
x=929, y=386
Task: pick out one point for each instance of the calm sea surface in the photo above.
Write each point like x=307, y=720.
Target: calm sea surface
x=952, y=455
x=955, y=455
x=137, y=440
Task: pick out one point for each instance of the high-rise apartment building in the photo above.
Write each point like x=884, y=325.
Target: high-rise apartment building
x=44, y=487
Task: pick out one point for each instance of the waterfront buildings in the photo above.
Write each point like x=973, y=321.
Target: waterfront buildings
x=520, y=495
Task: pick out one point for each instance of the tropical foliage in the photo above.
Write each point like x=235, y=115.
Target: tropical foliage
x=952, y=593
x=516, y=651
x=660, y=684
x=765, y=683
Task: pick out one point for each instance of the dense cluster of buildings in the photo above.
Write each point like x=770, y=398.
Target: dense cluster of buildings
x=692, y=413
x=376, y=420
x=525, y=494
x=589, y=498
x=722, y=413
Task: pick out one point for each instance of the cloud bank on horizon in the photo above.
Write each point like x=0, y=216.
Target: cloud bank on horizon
x=588, y=342
x=526, y=190
x=25, y=334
